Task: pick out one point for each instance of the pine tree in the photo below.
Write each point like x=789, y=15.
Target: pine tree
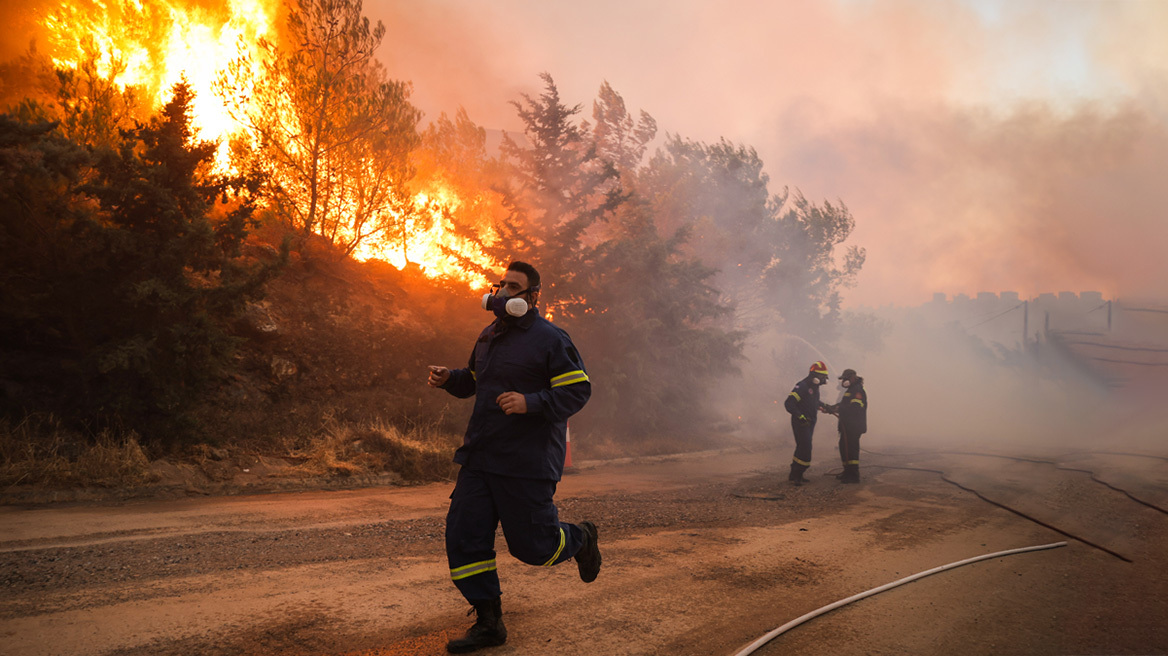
x=618, y=138
x=657, y=336
x=128, y=311
x=561, y=190
x=775, y=253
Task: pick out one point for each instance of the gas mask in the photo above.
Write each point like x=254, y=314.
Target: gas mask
x=846, y=384
x=503, y=304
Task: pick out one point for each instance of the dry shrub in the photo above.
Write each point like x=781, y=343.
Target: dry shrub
x=419, y=454
x=39, y=451
x=114, y=461
x=330, y=454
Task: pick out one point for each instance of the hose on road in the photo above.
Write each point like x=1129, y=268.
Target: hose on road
x=752, y=647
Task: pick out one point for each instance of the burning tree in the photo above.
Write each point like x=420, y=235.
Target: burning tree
x=453, y=156
x=332, y=134
x=121, y=271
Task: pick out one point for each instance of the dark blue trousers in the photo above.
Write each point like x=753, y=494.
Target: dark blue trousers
x=531, y=526
x=803, y=433
x=849, y=445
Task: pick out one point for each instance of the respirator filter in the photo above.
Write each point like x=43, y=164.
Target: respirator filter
x=501, y=305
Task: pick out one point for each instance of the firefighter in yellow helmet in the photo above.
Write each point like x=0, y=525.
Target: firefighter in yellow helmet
x=804, y=405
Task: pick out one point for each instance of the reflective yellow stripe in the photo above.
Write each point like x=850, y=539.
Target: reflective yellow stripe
x=472, y=569
x=797, y=397
x=473, y=376
x=552, y=561
x=851, y=462
x=858, y=401
x=798, y=461
x=569, y=378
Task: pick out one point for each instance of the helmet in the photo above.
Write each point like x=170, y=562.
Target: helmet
x=818, y=367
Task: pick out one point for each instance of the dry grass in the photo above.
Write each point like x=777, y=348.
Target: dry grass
x=39, y=451
x=422, y=453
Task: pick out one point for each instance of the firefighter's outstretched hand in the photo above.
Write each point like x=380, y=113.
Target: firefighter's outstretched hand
x=438, y=376
x=513, y=403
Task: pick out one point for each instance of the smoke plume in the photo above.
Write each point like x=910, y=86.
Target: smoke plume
x=989, y=146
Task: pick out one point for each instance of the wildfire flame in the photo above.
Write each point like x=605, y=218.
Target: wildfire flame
x=430, y=248
x=153, y=44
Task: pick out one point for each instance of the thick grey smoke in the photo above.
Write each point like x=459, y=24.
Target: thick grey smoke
x=1033, y=201
x=980, y=146
x=945, y=383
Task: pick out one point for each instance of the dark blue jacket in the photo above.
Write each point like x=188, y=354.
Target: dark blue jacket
x=804, y=400
x=532, y=356
x=853, y=409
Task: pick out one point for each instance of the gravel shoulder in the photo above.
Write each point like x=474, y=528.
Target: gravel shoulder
x=703, y=554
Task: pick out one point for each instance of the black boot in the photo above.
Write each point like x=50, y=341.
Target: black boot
x=796, y=475
x=851, y=474
x=588, y=557
x=487, y=631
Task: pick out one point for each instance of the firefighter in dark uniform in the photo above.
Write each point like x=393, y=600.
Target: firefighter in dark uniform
x=804, y=405
x=527, y=379
x=852, y=411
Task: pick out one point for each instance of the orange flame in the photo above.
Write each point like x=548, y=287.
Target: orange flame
x=430, y=248
x=153, y=44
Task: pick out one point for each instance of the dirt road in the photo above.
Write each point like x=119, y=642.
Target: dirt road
x=703, y=554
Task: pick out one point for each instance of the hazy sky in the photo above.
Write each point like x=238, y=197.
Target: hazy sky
x=981, y=146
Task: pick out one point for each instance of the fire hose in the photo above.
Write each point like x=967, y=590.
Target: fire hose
x=752, y=647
